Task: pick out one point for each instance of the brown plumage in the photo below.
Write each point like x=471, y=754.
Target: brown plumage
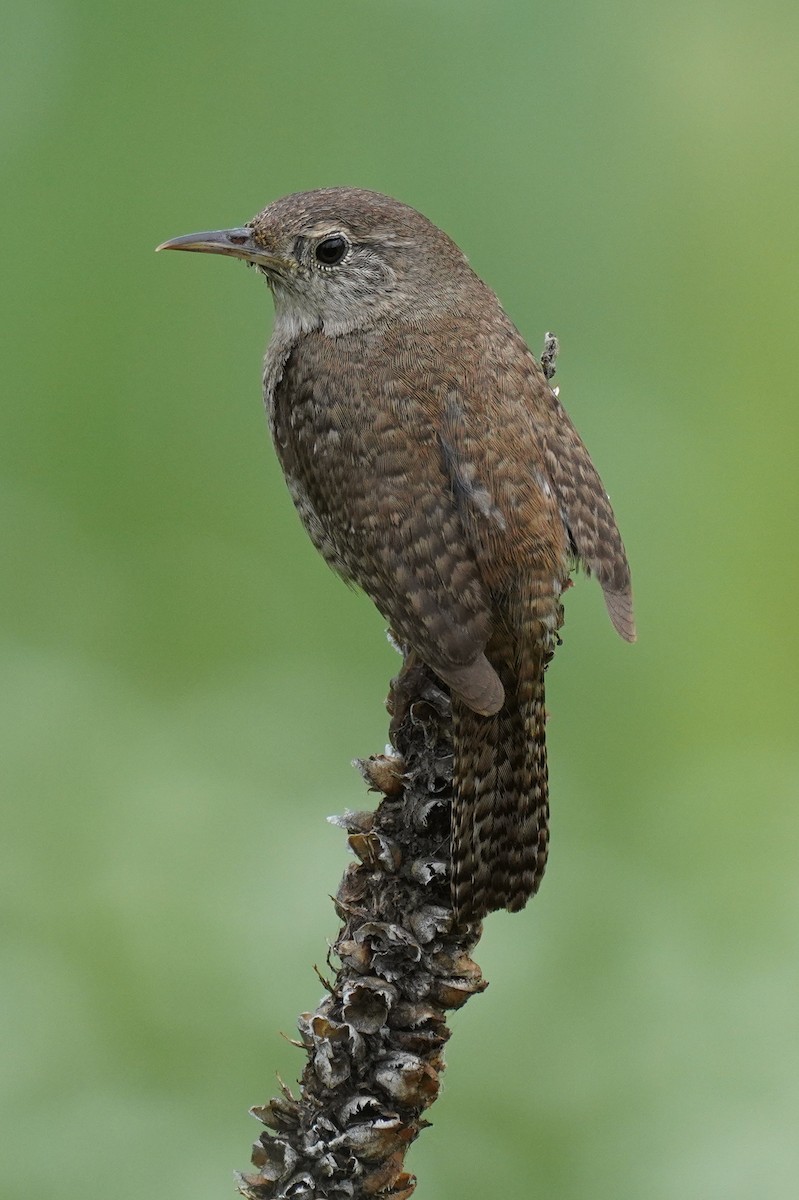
x=433, y=466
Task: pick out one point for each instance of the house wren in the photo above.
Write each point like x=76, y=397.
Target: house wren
x=434, y=467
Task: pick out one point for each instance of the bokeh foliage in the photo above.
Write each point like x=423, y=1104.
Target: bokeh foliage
x=184, y=683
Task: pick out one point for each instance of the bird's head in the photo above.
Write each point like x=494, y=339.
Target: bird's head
x=340, y=259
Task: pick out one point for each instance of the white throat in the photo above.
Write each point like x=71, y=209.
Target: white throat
x=296, y=313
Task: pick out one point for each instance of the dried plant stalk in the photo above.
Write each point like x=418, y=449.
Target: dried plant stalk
x=374, y=1044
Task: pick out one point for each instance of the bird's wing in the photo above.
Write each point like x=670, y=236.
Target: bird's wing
x=520, y=469
x=586, y=508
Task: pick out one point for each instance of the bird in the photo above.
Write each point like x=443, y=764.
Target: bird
x=433, y=466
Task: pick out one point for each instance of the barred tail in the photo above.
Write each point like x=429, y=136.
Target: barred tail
x=500, y=809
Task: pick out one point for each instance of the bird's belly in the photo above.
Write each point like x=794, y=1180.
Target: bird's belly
x=332, y=543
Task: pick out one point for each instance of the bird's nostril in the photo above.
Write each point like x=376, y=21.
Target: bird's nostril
x=238, y=239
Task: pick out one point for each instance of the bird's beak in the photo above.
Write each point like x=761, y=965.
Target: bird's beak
x=237, y=243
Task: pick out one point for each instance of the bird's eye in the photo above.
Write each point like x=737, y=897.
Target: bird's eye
x=331, y=250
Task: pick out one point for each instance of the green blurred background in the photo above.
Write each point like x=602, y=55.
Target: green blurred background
x=184, y=683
